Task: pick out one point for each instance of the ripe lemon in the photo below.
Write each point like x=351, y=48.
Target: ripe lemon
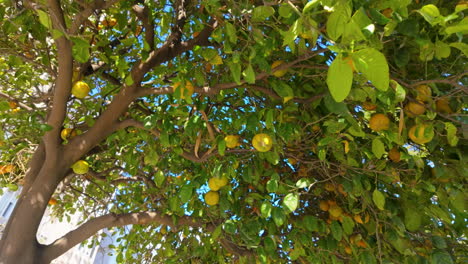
x=80, y=167
x=232, y=141
x=413, y=109
x=348, y=250
x=68, y=133
x=262, y=142
x=13, y=104
x=212, y=198
x=278, y=73
x=52, y=201
x=188, y=87
x=423, y=93
x=110, y=22
x=216, y=183
x=443, y=106
x=394, y=155
x=379, y=122
x=324, y=206
x=80, y=89
x=335, y=210
x=421, y=134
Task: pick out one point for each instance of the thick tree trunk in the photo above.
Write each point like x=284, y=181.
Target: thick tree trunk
x=19, y=243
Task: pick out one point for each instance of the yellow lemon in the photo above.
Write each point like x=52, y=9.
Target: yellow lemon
x=80, y=89
x=216, y=183
x=232, y=141
x=109, y=22
x=68, y=133
x=379, y=122
x=443, y=106
x=415, y=108
x=394, y=155
x=324, y=206
x=423, y=93
x=335, y=210
x=278, y=73
x=262, y=142
x=80, y=167
x=212, y=198
x=52, y=201
x=421, y=134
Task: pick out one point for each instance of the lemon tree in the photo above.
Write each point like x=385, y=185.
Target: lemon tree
x=327, y=131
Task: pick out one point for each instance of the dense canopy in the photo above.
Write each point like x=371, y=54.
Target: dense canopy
x=329, y=131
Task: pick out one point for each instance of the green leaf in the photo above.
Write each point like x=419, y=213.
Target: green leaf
x=303, y=183
x=378, y=148
x=412, y=218
x=430, y=13
x=45, y=127
x=367, y=258
x=458, y=201
x=451, y=134
x=159, y=178
x=291, y=202
x=249, y=74
x=311, y=223
x=235, y=72
x=80, y=49
x=230, y=32
x=441, y=257
x=310, y=6
x=278, y=216
x=272, y=186
x=442, y=50
x=463, y=47
x=462, y=27
x=185, y=193
x=44, y=19
x=339, y=79
x=4, y=106
x=439, y=242
x=336, y=23
x=261, y=13
x=265, y=209
x=379, y=199
x=336, y=230
x=221, y=146
x=217, y=232
x=282, y=89
x=270, y=244
x=348, y=225
x=374, y=66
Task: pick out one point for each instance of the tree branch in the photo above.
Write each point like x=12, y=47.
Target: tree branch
x=212, y=90
x=86, y=230
x=83, y=16
x=148, y=23
x=20, y=104
x=62, y=82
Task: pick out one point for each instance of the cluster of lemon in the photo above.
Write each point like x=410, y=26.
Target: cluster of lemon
x=261, y=142
x=215, y=183
x=420, y=133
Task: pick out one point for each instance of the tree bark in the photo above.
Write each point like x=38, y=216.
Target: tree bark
x=19, y=243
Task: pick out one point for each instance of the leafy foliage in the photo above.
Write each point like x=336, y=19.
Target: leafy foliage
x=340, y=57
